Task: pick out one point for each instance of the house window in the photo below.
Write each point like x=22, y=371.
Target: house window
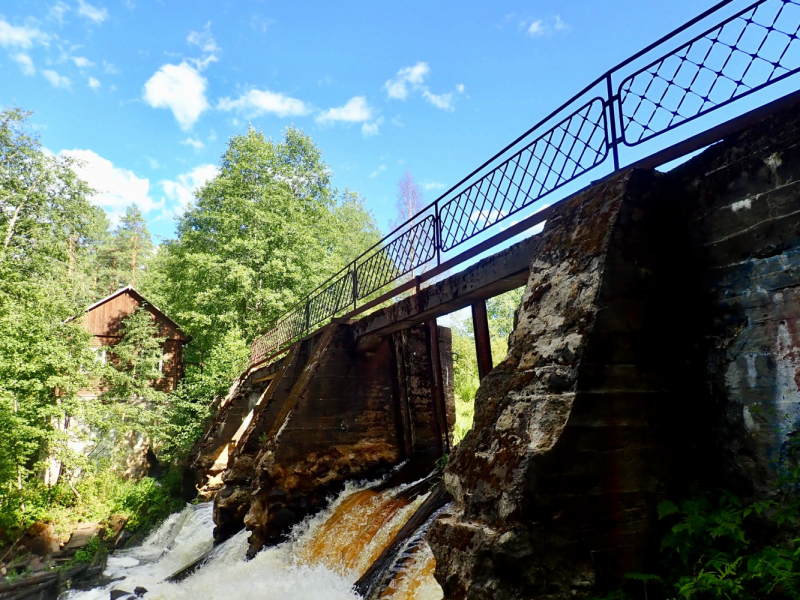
x=100, y=355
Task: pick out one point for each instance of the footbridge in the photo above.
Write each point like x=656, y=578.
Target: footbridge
x=729, y=67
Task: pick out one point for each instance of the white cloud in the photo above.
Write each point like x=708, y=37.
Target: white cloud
x=433, y=185
x=535, y=29
x=489, y=216
x=56, y=80
x=94, y=83
x=414, y=76
x=203, y=39
x=58, y=10
x=181, y=192
x=413, y=79
x=116, y=188
x=25, y=63
x=355, y=111
x=206, y=42
x=443, y=101
x=370, y=129
x=20, y=37
x=196, y=144
x=258, y=102
x=82, y=62
x=179, y=88
x=91, y=12
x=109, y=68
x=377, y=171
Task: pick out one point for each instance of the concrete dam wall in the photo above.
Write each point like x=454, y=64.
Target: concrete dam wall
x=292, y=433
x=657, y=344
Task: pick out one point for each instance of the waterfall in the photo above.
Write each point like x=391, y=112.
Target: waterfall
x=322, y=559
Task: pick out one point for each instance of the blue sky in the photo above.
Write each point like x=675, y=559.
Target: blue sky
x=147, y=93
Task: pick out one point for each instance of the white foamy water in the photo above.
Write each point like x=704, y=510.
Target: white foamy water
x=283, y=572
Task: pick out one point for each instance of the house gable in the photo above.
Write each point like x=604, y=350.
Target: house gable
x=104, y=319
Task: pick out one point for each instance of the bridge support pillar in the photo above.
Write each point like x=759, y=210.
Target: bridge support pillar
x=483, y=345
x=440, y=409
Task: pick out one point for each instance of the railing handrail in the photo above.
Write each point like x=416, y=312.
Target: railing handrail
x=391, y=265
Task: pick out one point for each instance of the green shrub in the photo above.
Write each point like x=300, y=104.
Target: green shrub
x=86, y=554
x=717, y=547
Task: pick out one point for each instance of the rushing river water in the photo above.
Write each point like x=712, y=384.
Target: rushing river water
x=323, y=558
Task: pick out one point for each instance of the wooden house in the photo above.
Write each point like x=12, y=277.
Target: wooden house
x=104, y=320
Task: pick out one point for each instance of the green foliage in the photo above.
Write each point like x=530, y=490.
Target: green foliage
x=86, y=554
x=46, y=224
x=715, y=548
x=191, y=405
x=134, y=362
x=710, y=552
x=96, y=496
x=261, y=234
x=148, y=501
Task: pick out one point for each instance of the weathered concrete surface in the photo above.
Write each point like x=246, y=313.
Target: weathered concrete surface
x=656, y=341
x=742, y=207
x=209, y=456
x=332, y=412
x=560, y=469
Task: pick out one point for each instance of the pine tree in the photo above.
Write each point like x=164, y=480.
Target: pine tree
x=133, y=246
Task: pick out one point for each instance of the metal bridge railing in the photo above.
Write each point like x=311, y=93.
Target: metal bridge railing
x=682, y=77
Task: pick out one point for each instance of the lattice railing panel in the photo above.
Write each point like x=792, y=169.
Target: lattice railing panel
x=569, y=149
x=331, y=299
x=409, y=251
x=755, y=47
x=741, y=55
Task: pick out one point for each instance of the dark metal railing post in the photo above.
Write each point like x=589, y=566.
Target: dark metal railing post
x=437, y=232
x=355, y=285
x=613, y=121
x=308, y=315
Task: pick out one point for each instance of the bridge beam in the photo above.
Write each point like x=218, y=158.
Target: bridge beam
x=492, y=276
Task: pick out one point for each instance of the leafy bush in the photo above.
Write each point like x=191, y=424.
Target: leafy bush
x=86, y=554
x=721, y=548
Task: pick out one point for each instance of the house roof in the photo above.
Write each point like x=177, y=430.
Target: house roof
x=129, y=289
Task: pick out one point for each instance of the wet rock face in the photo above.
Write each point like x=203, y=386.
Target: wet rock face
x=656, y=342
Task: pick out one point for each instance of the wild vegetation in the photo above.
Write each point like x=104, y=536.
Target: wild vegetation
x=261, y=234
x=716, y=546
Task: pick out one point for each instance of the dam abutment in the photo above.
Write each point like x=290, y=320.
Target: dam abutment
x=657, y=344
